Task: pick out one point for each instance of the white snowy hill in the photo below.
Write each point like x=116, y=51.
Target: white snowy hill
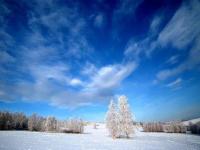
x=193, y=121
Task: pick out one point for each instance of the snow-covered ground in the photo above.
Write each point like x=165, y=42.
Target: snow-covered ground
x=193, y=121
x=96, y=139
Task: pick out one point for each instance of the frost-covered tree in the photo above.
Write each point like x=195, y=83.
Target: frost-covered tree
x=112, y=120
x=36, y=123
x=125, y=117
x=50, y=124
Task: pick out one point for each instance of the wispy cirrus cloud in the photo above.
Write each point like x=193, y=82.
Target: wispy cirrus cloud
x=175, y=84
x=191, y=62
x=138, y=49
x=75, y=41
x=110, y=76
x=99, y=20
x=181, y=32
x=183, y=28
x=45, y=59
x=173, y=59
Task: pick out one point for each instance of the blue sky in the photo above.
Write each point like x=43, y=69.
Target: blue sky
x=69, y=58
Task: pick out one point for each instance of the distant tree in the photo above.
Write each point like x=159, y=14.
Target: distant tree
x=194, y=128
x=50, y=124
x=112, y=120
x=125, y=117
x=10, y=121
x=36, y=123
x=20, y=121
x=6, y=121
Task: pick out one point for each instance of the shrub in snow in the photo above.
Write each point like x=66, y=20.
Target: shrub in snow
x=125, y=117
x=153, y=127
x=50, y=124
x=71, y=126
x=174, y=127
x=75, y=126
x=112, y=120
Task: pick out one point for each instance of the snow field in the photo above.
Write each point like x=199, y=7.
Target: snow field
x=96, y=139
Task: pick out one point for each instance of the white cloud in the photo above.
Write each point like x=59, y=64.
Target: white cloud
x=57, y=72
x=75, y=82
x=5, y=57
x=172, y=60
x=190, y=63
x=42, y=71
x=183, y=28
x=109, y=77
x=52, y=84
x=175, y=84
x=138, y=49
x=67, y=19
x=180, y=32
x=98, y=20
x=155, y=24
x=89, y=69
x=126, y=7
x=133, y=49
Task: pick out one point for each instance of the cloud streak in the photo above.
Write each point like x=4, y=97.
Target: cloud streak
x=181, y=32
x=175, y=84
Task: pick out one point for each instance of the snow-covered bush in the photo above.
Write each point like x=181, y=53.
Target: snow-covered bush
x=71, y=126
x=50, y=124
x=75, y=126
x=174, y=127
x=112, y=120
x=153, y=127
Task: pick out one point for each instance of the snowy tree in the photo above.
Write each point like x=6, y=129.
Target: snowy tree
x=50, y=124
x=112, y=120
x=125, y=117
x=36, y=123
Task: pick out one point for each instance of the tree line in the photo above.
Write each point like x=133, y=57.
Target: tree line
x=19, y=121
x=172, y=127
